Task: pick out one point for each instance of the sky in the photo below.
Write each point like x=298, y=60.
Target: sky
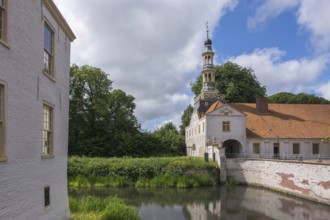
x=152, y=49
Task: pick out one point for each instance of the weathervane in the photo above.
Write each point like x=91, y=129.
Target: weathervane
x=207, y=29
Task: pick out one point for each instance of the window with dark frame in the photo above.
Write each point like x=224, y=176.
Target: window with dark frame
x=2, y=120
x=316, y=148
x=3, y=19
x=47, y=131
x=47, y=196
x=296, y=148
x=226, y=126
x=256, y=148
x=48, y=50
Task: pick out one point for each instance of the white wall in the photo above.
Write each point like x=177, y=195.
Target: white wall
x=24, y=175
x=197, y=136
x=237, y=126
x=306, y=147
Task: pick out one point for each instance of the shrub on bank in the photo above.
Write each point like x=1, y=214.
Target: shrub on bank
x=93, y=208
x=142, y=172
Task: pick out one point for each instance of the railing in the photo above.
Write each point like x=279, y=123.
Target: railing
x=299, y=157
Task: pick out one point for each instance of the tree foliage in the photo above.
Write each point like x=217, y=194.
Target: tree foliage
x=300, y=98
x=327, y=139
x=236, y=83
x=170, y=139
x=102, y=121
x=185, y=119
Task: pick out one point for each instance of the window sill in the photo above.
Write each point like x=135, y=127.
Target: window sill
x=47, y=156
x=3, y=159
x=4, y=44
x=49, y=76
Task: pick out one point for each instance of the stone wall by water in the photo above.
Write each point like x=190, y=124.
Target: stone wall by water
x=308, y=180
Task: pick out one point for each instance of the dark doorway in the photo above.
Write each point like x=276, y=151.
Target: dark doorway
x=276, y=150
x=233, y=148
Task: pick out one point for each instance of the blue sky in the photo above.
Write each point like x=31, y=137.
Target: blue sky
x=152, y=49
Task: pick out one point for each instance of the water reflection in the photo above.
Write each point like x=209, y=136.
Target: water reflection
x=241, y=203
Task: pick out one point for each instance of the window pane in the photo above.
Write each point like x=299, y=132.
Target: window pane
x=47, y=196
x=256, y=148
x=1, y=102
x=1, y=21
x=296, y=149
x=48, y=39
x=316, y=149
x=47, y=130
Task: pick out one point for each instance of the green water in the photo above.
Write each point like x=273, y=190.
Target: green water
x=241, y=203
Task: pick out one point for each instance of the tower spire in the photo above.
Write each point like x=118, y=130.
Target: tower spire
x=207, y=29
x=209, y=93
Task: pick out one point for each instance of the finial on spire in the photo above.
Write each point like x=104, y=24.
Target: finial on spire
x=208, y=40
x=207, y=29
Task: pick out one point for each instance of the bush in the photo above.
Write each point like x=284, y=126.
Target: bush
x=120, y=212
x=93, y=208
x=146, y=172
x=232, y=182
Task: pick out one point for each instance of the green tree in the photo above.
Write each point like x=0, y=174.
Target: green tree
x=300, y=98
x=89, y=92
x=327, y=139
x=236, y=83
x=185, y=119
x=101, y=120
x=172, y=143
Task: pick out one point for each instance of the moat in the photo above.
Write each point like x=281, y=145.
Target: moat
x=241, y=203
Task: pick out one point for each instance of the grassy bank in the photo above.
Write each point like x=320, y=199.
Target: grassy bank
x=92, y=208
x=179, y=172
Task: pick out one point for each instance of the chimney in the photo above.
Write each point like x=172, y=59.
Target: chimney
x=262, y=105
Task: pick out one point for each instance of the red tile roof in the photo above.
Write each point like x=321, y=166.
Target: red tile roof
x=284, y=120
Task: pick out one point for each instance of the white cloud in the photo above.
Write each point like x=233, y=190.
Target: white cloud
x=151, y=49
x=325, y=90
x=314, y=16
x=270, y=9
x=278, y=75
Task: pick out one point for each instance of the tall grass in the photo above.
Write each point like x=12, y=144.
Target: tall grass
x=142, y=172
x=92, y=208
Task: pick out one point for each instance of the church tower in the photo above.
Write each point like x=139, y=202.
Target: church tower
x=209, y=93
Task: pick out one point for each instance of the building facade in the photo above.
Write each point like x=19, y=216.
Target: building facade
x=286, y=131
x=34, y=89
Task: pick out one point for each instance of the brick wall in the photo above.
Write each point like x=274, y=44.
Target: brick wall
x=303, y=179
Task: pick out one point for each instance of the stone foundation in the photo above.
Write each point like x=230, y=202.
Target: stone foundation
x=303, y=179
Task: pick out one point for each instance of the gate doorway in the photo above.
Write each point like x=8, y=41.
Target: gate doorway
x=233, y=148
x=276, y=150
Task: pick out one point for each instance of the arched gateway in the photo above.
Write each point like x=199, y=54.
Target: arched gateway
x=233, y=148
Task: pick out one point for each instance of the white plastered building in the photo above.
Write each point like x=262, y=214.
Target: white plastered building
x=34, y=90
x=285, y=131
